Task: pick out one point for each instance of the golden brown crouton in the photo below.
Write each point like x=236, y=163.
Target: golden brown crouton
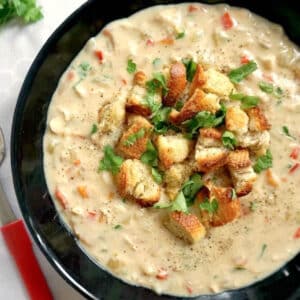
x=210, y=137
x=176, y=83
x=227, y=210
x=257, y=142
x=198, y=80
x=257, y=120
x=199, y=101
x=236, y=120
x=217, y=83
x=185, y=226
x=173, y=149
x=134, y=181
x=139, y=78
x=133, y=142
x=175, y=177
x=242, y=173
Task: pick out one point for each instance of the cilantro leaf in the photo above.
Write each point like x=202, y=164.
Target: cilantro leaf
x=179, y=105
x=263, y=250
x=190, y=67
x=110, y=162
x=263, y=162
x=160, y=120
x=180, y=35
x=247, y=101
x=179, y=204
x=150, y=156
x=94, y=129
x=191, y=188
x=156, y=62
x=131, y=66
x=157, y=176
x=118, y=226
x=229, y=140
x=160, y=78
x=266, y=87
x=131, y=140
x=286, y=131
x=278, y=92
x=237, y=75
x=210, y=206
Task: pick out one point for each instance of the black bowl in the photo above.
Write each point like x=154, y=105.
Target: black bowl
x=57, y=243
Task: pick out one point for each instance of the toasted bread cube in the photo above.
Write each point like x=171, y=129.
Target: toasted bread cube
x=199, y=101
x=228, y=209
x=210, y=137
x=257, y=142
x=175, y=177
x=242, y=173
x=139, y=78
x=198, y=80
x=217, y=83
x=236, y=120
x=134, y=181
x=176, y=83
x=209, y=159
x=173, y=149
x=257, y=120
x=185, y=226
x=135, y=101
x=135, y=149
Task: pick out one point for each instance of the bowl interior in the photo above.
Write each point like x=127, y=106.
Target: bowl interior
x=57, y=243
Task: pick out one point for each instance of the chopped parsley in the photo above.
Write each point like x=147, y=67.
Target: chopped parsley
x=180, y=35
x=252, y=206
x=131, y=140
x=131, y=66
x=179, y=204
x=118, y=226
x=94, y=129
x=156, y=62
x=269, y=88
x=247, y=101
x=149, y=157
x=190, y=67
x=286, y=131
x=179, y=105
x=157, y=175
x=25, y=10
x=237, y=75
x=160, y=120
x=191, y=188
x=110, y=162
x=263, y=250
x=210, y=206
x=229, y=140
x=278, y=92
x=264, y=162
x=82, y=70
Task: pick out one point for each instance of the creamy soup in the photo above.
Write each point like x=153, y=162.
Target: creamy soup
x=130, y=240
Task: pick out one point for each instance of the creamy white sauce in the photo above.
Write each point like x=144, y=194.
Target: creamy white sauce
x=142, y=247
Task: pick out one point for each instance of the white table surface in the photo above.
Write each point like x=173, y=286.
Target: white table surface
x=18, y=47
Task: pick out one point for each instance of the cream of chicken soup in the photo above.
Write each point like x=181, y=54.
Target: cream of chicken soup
x=172, y=149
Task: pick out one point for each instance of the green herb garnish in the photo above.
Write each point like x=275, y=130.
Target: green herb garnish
x=179, y=204
x=180, y=35
x=160, y=120
x=190, y=67
x=264, y=162
x=157, y=175
x=237, y=75
x=179, y=105
x=233, y=194
x=156, y=62
x=191, y=188
x=263, y=249
x=25, y=10
x=266, y=87
x=118, y=226
x=94, y=129
x=131, y=66
x=110, y=162
x=252, y=206
x=247, y=101
x=210, y=206
x=278, y=92
x=286, y=131
x=229, y=140
x=131, y=140
x=149, y=157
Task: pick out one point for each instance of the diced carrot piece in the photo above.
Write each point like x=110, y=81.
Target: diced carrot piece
x=99, y=55
x=111, y=195
x=227, y=21
x=297, y=234
x=92, y=213
x=77, y=162
x=149, y=42
x=70, y=75
x=189, y=289
x=61, y=198
x=162, y=274
x=271, y=179
x=244, y=59
x=192, y=8
x=124, y=81
x=81, y=189
x=295, y=153
x=294, y=168
x=268, y=77
x=168, y=41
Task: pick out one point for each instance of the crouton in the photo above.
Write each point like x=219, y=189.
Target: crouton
x=209, y=159
x=133, y=142
x=185, y=226
x=228, y=208
x=176, y=83
x=236, y=120
x=139, y=78
x=217, y=83
x=172, y=149
x=257, y=142
x=220, y=177
x=134, y=181
x=257, y=120
x=242, y=173
x=199, y=101
x=111, y=120
x=210, y=137
x=198, y=80
x=175, y=177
